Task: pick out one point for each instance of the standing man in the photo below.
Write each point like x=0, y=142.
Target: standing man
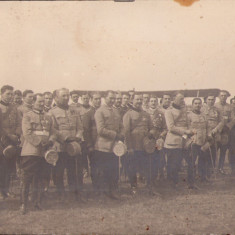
x=145, y=104
x=197, y=123
x=11, y=131
x=159, y=133
x=109, y=129
x=137, y=126
x=27, y=102
x=177, y=125
x=118, y=102
x=90, y=136
x=38, y=137
x=226, y=111
x=125, y=101
x=67, y=122
x=214, y=127
x=165, y=102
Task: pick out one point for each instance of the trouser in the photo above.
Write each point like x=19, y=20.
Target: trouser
x=210, y=160
x=223, y=149
x=31, y=167
x=108, y=172
x=124, y=162
x=155, y=166
x=174, y=158
x=94, y=166
x=162, y=162
x=144, y=164
x=84, y=156
x=46, y=177
x=73, y=165
x=202, y=161
x=232, y=150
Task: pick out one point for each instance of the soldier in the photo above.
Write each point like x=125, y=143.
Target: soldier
x=176, y=121
x=226, y=111
x=137, y=125
x=197, y=123
x=232, y=140
x=214, y=125
x=27, y=102
x=159, y=133
x=90, y=135
x=109, y=129
x=74, y=97
x=17, y=101
x=67, y=122
x=11, y=130
x=145, y=104
x=38, y=137
x=48, y=100
x=83, y=109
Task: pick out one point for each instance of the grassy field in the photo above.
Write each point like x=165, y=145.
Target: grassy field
x=211, y=209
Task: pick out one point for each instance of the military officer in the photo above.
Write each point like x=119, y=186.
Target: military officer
x=197, y=123
x=118, y=102
x=214, y=127
x=67, y=122
x=226, y=111
x=11, y=131
x=27, y=102
x=165, y=102
x=90, y=135
x=177, y=126
x=125, y=101
x=37, y=128
x=137, y=125
x=74, y=97
x=109, y=129
x=159, y=131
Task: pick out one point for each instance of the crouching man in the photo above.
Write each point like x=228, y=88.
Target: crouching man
x=38, y=137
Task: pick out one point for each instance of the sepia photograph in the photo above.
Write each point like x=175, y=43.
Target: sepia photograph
x=117, y=117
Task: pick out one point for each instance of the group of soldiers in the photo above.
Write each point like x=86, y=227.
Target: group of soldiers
x=32, y=124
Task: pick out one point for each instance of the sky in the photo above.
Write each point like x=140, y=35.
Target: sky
x=146, y=45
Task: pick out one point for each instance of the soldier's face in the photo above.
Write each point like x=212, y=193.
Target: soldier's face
x=137, y=101
x=110, y=99
x=17, y=99
x=210, y=101
x=85, y=99
x=153, y=103
x=39, y=103
x=7, y=96
x=145, y=99
x=29, y=98
x=223, y=97
x=63, y=97
x=179, y=100
x=196, y=106
x=74, y=98
x=118, y=101
x=48, y=100
x=166, y=100
x=125, y=99
x=96, y=101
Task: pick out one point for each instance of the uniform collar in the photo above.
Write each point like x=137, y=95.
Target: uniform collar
x=38, y=111
x=176, y=106
x=66, y=107
x=4, y=103
x=28, y=105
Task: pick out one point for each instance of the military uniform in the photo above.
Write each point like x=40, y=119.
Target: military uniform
x=159, y=131
x=11, y=131
x=215, y=124
x=227, y=114
x=24, y=108
x=197, y=122
x=137, y=126
x=67, y=122
x=90, y=135
x=37, y=128
x=109, y=128
x=176, y=121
